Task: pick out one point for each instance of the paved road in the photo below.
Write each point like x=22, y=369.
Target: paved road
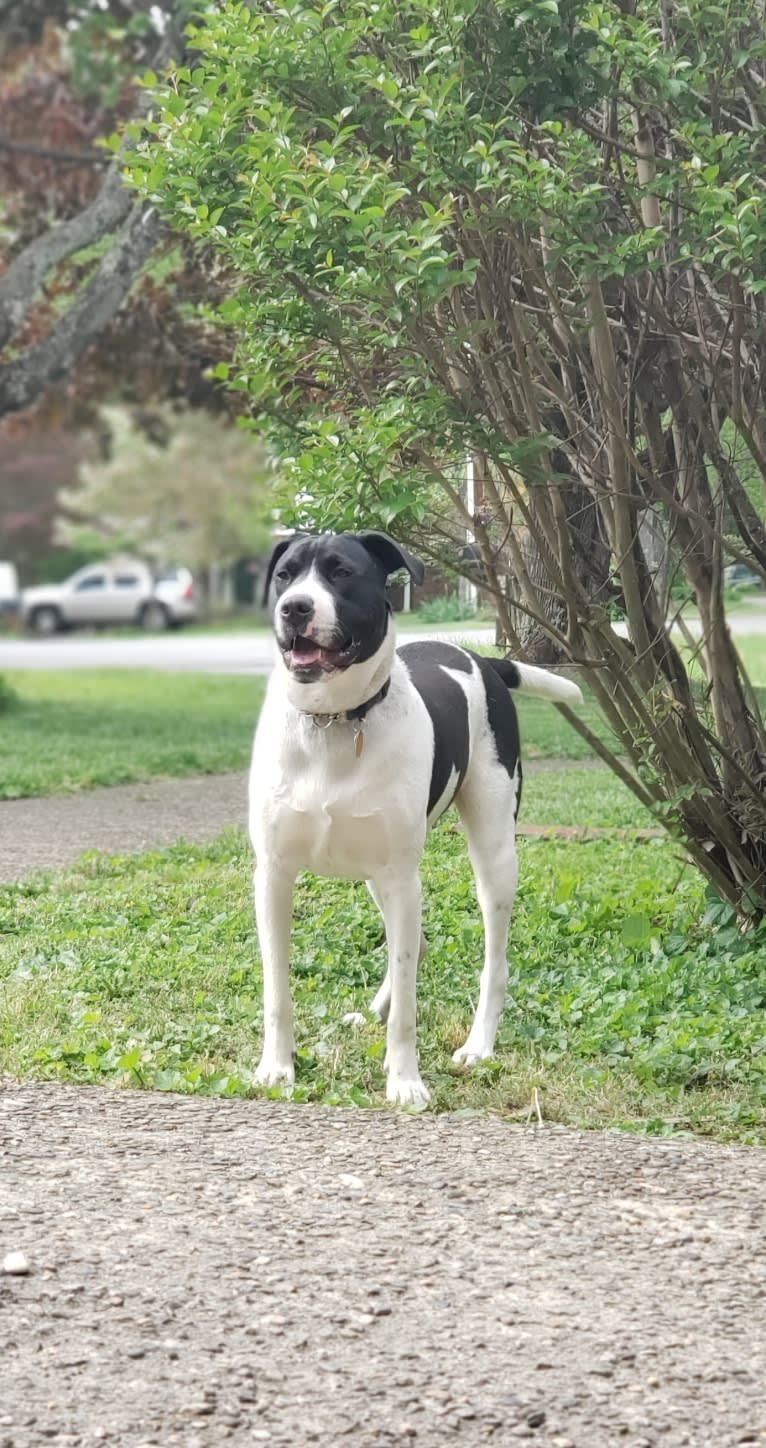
x=189, y=652
x=240, y=1272
x=225, y=653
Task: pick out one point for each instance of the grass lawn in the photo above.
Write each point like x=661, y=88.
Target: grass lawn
x=752, y=649
x=636, y=1001
x=72, y=731
x=637, y=1004
x=577, y=795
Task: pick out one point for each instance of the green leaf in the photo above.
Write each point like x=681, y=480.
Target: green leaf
x=635, y=930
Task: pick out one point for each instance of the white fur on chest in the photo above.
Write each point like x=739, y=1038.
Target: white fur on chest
x=315, y=805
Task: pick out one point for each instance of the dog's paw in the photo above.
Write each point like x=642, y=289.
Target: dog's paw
x=472, y=1053
x=407, y=1091
x=271, y=1072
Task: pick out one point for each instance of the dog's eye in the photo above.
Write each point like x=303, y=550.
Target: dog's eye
x=341, y=572
x=282, y=575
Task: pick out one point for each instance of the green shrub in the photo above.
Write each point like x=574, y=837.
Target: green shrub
x=449, y=608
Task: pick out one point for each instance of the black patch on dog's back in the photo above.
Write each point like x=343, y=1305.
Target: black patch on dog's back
x=499, y=676
x=447, y=705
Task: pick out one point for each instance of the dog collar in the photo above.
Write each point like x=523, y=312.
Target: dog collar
x=355, y=716
x=362, y=710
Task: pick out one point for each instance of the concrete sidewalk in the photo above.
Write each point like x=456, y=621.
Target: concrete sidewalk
x=51, y=832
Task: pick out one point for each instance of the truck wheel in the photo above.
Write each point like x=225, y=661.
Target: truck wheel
x=154, y=617
x=45, y=620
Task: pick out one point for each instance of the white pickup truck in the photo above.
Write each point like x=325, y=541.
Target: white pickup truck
x=105, y=594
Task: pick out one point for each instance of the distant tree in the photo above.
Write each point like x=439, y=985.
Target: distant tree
x=97, y=300
x=531, y=232
x=78, y=238
x=182, y=487
x=34, y=466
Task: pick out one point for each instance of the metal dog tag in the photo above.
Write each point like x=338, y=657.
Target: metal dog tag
x=358, y=742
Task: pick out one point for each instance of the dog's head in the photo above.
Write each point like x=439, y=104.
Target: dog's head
x=330, y=608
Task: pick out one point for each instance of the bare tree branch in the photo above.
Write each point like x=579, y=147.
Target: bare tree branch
x=54, y=153
x=24, y=379
x=20, y=285
x=114, y=210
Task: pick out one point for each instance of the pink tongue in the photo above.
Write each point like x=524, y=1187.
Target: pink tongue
x=307, y=654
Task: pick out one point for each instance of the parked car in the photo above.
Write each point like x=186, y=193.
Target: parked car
x=9, y=590
x=738, y=575
x=121, y=592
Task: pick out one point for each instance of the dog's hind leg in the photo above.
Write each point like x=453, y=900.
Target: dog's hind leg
x=273, y=911
x=486, y=803
x=381, y=1001
x=399, y=896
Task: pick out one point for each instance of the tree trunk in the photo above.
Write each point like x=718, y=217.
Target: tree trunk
x=538, y=646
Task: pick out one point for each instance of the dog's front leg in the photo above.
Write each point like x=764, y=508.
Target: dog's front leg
x=400, y=900
x=273, y=913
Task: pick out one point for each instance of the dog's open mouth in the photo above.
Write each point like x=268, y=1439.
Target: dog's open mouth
x=305, y=653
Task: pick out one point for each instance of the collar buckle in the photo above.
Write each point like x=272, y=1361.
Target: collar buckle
x=355, y=716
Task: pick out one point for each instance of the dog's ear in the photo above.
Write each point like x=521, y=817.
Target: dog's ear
x=392, y=555
x=273, y=561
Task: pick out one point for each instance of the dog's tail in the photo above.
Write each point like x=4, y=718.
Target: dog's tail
x=537, y=681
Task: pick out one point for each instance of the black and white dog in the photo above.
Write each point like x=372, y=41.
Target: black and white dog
x=360, y=748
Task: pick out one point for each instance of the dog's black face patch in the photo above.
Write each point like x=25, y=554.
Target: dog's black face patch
x=330, y=599
x=447, y=705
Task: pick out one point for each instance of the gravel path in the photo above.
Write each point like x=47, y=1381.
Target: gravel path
x=51, y=832
x=207, y=1271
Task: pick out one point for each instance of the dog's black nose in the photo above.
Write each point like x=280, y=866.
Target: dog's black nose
x=297, y=610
